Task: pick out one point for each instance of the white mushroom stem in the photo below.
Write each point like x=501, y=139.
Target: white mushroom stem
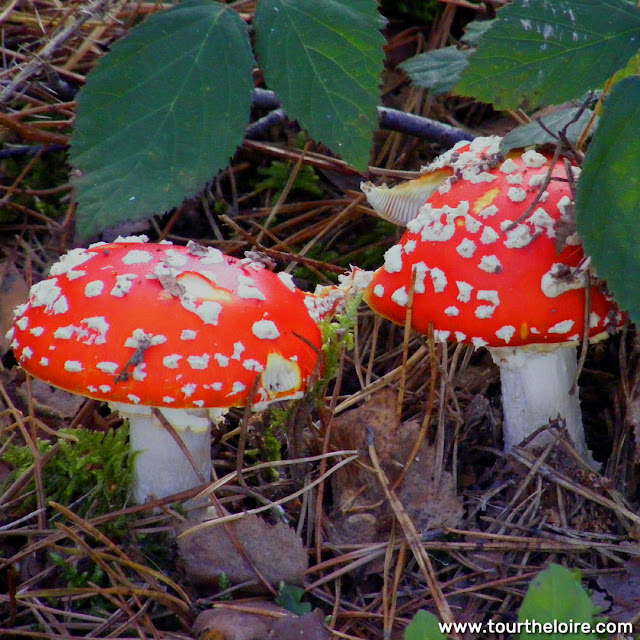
x=161, y=468
x=536, y=388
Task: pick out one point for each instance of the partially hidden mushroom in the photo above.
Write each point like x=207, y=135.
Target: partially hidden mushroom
x=169, y=335
x=496, y=263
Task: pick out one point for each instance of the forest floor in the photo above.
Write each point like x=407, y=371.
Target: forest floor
x=389, y=495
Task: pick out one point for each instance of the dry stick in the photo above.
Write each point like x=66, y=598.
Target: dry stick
x=388, y=118
x=413, y=538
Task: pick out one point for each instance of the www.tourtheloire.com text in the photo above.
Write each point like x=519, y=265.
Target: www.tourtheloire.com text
x=533, y=626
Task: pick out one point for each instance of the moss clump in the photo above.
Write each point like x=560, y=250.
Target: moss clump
x=90, y=470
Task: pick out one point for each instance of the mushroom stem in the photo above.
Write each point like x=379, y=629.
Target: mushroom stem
x=161, y=467
x=536, y=388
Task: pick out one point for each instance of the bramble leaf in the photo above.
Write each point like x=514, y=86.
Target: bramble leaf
x=571, y=119
x=324, y=58
x=551, y=51
x=608, y=196
x=161, y=114
x=438, y=70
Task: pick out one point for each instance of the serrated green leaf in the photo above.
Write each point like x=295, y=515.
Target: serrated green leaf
x=161, y=114
x=324, y=58
x=556, y=596
x=424, y=626
x=551, y=51
x=533, y=133
x=608, y=196
x=438, y=70
x=475, y=30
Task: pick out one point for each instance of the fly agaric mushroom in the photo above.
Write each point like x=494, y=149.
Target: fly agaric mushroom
x=184, y=330
x=491, y=270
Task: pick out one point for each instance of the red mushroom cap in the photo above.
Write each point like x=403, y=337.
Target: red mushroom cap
x=167, y=326
x=468, y=160
x=480, y=278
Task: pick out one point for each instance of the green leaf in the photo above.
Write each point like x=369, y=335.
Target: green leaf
x=556, y=596
x=632, y=68
x=438, y=70
x=475, y=30
x=608, y=196
x=324, y=58
x=290, y=598
x=533, y=133
x=551, y=51
x=161, y=114
x=424, y=626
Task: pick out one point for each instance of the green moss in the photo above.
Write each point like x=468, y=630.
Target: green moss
x=93, y=473
x=277, y=175
x=48, y=172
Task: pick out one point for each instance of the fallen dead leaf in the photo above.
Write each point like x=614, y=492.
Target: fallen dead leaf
x=621, y=600
x=308, y=627
x=361, y=512
x=276, y=550
x=252, y=623
x=52, y=401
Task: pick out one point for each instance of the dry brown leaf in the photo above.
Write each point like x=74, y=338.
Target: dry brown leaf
x=622, y=600
x=308, y=627
x=253, y=623
x=361, y=513
x=52, y=401
x=13, y=291
x=276, y=550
